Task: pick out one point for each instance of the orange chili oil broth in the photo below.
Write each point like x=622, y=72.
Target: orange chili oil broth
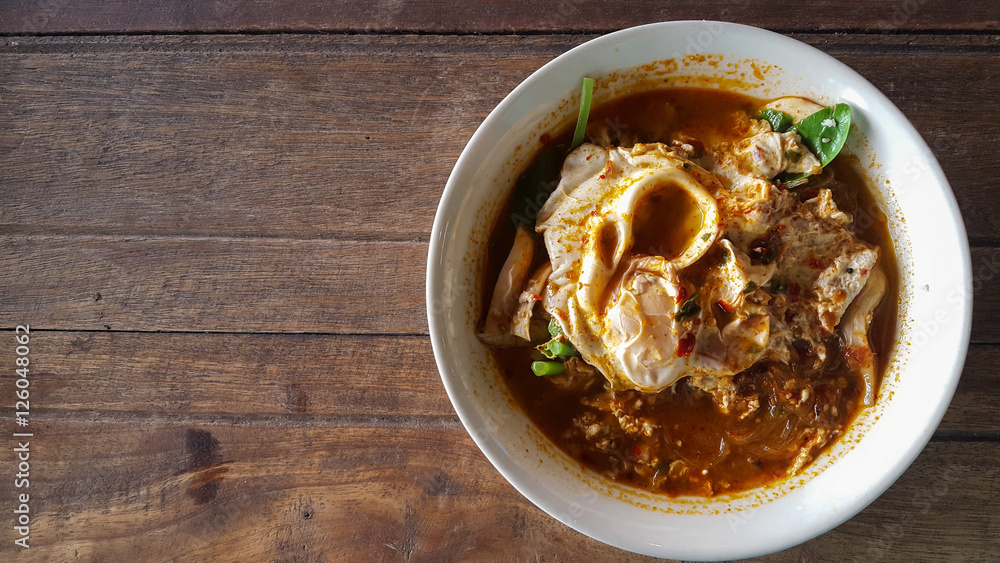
x=686, y=414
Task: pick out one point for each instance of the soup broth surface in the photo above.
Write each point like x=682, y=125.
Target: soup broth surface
x=678, y=441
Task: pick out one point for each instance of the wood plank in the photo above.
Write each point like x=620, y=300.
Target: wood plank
x=125, y=491
x=923, y=105
x=929, y=514
x=307, y=379
x=986, y=295
x=259, y=285
x=271, y=136
x=117, y=16
x=283, y=136
x=212, y=284
x=254, y=377
x=976, y=404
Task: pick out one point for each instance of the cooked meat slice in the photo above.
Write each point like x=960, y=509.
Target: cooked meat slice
x=854, y=331
x=814, y=442
x=722, y=390
x=499, y=318
x=579, y=376
x=823, y=207
x=821, y=258
x=763, y=155
x=526, y=302
x=767, y=154
x=798, y=108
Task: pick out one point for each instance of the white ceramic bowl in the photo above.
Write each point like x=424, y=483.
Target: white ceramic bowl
x=934, y=311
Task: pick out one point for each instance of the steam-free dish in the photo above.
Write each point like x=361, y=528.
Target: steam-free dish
x=694, y=309
x=905, y=222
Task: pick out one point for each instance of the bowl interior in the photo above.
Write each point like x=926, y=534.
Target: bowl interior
x=934, y=308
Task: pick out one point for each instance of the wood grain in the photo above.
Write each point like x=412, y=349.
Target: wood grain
x=212, y=284
x=986, y=300
x=219, y=241
x=384, y=494
x=310, y=380
x=118, y=16
x=257, y=378
x=976, y=405
x=272, y=136
x=260, y=285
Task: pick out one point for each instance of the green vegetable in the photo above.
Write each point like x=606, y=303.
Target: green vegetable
x=557, y=348
x=562, y=349
x=792, y=181
x=536, y=184
x=539, y=180
x=688, y=309
x=554, y=328
x=779, y=120
x=825, y=132
x=750, y=287
x=581, y=119
x=541, y=369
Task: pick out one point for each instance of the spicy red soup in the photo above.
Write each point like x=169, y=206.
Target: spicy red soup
x=703, y=435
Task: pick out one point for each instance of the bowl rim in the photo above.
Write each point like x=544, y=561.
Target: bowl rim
x=495, y=451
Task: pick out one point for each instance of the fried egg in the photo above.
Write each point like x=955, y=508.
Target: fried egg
x=620, y=229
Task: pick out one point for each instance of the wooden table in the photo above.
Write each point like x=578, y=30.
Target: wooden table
x=214, y=216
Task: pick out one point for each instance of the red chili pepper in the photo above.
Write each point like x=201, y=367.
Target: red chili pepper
x=857, y=357
x=636, y=450
x=794, y=290
x=725, y=306
x=609, y=169
x=682, y=294
x=686, y=345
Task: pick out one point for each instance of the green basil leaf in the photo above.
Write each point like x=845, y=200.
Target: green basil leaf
x=825, y=132
x=689, y=309
x=541, y=178
x=535, y=185
x=779, y=120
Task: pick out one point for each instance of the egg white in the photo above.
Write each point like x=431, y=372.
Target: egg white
x=620, y=309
